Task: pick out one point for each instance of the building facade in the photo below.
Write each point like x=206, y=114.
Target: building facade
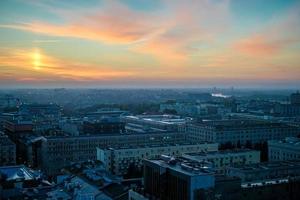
x=287, y=149
x=118, y=160
x=58, y=152
x=176, y=180
x=239, y=131
x=223, y=159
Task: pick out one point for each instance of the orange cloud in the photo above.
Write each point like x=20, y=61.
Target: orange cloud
x=36, y=65
x=170, y=34
x=261, y=45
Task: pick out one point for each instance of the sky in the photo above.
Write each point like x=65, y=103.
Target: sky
x=150, y=43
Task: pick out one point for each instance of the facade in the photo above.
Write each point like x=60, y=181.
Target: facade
x=223, y=159
x=239, y=131
x=265, y=171
x=287, y=110
x=7, y=151
x=58, y=152
x=118, y=160
x=287, y=149
x=176, y=179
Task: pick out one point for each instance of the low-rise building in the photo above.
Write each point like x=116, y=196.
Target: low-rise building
x=119, y=160
x=223, y=159
x=265, y=171
x=60, y=151
x=287, y=149
x=239, y=131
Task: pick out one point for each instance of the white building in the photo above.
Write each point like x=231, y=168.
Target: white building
x=287, y=149
x=239, y=131
x=118, y=160
x=60, y=151
x=222, y=159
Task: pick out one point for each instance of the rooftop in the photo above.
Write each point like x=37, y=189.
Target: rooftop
x=234, y=124
x=268, y=166
x=201, y=155
x=159, y=145
x=289, y=141
x=18, y=172
x=183, y=165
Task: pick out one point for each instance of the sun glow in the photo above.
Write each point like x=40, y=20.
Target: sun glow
x=36, y=57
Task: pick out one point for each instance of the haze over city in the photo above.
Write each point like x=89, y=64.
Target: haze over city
x=140, y=43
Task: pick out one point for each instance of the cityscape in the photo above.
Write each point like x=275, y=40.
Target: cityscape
x=149, y=100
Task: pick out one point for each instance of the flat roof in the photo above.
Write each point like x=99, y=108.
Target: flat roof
x=268, y=166
x=186, y=166
x=159, y=145
x=217, y=153
x=235, y=124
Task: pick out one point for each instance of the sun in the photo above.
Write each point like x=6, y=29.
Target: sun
x=36, y=59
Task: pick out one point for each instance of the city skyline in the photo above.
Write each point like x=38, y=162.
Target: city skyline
x=164, y=43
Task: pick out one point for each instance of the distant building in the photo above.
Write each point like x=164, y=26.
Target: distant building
x=223, y=159
x=43, y=116
x=7, y=150
x=119, y=160
x=295, y=98
x=107, y=125
x=239, y=131
x=286, y=149
x=105, y=113
x=286, y=110
x=152, y=122
x=187, y=109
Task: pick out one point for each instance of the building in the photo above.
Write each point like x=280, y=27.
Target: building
x=286, y=149
x=20, y=182
x=286, y=110
x=223, y=159
x=239, y=132
x=265, y=171
x=295, y=98
x=60, y=151
x=43, y=116
x=106, y=125
x=119, y=160
x=186, y=109
x=171, y=179
x=158, y=122
x=7, y=151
